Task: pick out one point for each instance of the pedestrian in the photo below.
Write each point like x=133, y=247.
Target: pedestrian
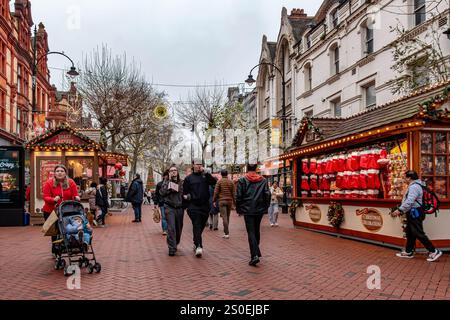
x=276, y=193
x=253, y=201
x=92, y=194
x=412, y=207
x=224, y=193
x=148, y=195
x=135, y=195
x=213, y=220
x=56, y=190
x=158, y=200
x=196, y=190
x=101, y=201
x=171, y=192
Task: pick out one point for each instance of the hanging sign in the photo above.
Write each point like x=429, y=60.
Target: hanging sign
x=370, y=218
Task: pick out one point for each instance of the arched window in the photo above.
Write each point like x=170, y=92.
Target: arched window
x=367, y=36
x=334, y=55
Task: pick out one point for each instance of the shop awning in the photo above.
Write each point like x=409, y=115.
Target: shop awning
x=111, y=158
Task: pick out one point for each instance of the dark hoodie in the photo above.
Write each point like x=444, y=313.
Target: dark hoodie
x=252, y=195
x=135, y=194
x=196, y=188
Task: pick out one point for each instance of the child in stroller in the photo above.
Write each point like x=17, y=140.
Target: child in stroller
x=78, y=230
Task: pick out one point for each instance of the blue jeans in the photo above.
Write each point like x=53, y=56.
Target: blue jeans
x=137, y=207
x=163, y=218
x=273, y=212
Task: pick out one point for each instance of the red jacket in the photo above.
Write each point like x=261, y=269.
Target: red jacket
x=50, y=192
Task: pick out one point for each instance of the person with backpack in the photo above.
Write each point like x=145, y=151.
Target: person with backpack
x=413, y=206
x=253, y=201
x=135, y=195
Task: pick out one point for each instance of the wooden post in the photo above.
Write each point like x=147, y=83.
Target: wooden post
x=95, y=168
x=33, y=183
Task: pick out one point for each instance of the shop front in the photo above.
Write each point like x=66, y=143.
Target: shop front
x=348, y=173
x=12, y=188
x=84, y=158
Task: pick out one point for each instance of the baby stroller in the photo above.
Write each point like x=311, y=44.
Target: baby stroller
x=67, y=247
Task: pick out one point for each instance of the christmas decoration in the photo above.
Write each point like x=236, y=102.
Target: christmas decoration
x=118, y=166
x=335, y=214
x=293, y=207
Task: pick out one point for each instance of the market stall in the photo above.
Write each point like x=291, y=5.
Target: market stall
x=348, y=173
x=83, y=156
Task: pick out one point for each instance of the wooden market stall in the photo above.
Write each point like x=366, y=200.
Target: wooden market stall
x=84, y=157
x=358, y=164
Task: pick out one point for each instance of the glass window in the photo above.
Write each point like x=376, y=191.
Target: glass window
x=80, y=170
x=441, y=142
x=336, y=59
x=426, y=143
x=371, y=99
x=369, y=39
x=336, y=107
x=419, y=11
x=334, y=18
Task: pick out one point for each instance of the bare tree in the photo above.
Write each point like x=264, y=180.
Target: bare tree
x=201, y=112
x=114, y=91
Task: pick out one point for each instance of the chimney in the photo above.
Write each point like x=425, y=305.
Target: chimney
x=297, y=14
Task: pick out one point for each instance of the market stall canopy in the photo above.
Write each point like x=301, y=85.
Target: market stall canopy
x=111, y=158
x=63, y=137
x=409, y=111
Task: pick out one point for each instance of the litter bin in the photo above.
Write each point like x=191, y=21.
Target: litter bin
x=26, y=219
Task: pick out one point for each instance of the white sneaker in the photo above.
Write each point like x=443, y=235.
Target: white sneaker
x=276, y=224
x=405, y=254
x=271, y=224
x=433, y=256
x=226, y=236
x=95, y=222
x=198, y=252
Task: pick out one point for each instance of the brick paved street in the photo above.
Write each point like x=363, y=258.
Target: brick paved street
x=296, y=264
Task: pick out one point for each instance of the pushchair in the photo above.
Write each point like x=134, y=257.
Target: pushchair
x=67, y=248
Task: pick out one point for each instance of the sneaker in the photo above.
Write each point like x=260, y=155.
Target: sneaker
x=198, y=252
x=164, y=233
x=254, y=261
x=215, y=229
x=276, y=224
x=95, y=222
x=226, y=236
x=405, y=254
x=433, y=256
x=136, y=220
x=171, y=253
x=271, y=224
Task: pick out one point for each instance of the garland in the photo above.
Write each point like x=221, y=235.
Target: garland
x=293, y=207
x=429, y=107
x=335, y=214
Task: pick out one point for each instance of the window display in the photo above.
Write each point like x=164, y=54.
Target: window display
x=81, y=171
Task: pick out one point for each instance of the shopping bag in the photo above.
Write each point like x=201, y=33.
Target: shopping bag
x=50, y=227
x=156, y=215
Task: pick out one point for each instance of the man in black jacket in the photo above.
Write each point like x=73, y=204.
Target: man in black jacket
x=159, y=201
x=196, y=193
x=101, y=200
x=135, y=195
x=253, y=201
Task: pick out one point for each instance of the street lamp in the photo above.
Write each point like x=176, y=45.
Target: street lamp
x=250, y=81
x=72, y=72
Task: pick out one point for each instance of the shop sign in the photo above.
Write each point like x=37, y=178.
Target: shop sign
x=65, y=138
x=314, y=212
x=370, y=218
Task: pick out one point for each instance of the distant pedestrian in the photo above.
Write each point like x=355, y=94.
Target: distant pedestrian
x=213, y=220
x=276, y=193
x=135, y=195
x=412, y=207
x=224, y=193
x=171, y=192
x=252, y=201
x=148, y=195
x=196, y=190
x=159, y=201
x=101, y=200
x=92, y=194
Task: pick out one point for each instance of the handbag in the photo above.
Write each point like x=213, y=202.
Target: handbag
x=50, y=227
x=156, y=215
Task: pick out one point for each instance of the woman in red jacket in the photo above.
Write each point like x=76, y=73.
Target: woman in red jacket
x=58, y=189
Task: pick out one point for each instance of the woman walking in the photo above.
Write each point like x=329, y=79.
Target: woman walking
x=172, y=195
x=92, y=193
x=276, y=193
x=101, y=200
x=56, y=190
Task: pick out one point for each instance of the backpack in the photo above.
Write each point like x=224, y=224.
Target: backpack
x=430, y=202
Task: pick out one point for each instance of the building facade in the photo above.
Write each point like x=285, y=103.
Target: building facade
x=339, y=62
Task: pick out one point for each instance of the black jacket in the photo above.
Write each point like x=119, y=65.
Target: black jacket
x=158, y=199
x=101, y=197
x=136, y=192
x=196, y=187
x=252, y=198
x=171, y=197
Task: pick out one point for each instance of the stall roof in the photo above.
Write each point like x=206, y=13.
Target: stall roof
x=111, y=158
x=54, y=139
x=406, y=107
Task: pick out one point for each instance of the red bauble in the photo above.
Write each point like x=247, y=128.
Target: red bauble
x=118, y=166
x=122, y=173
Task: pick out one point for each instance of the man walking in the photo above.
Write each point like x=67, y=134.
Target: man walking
x=411, y=206
x=135, y=195
x=225, y=194
x=159, y=201
x=253, y=201
x=196, y=193
x=101, y=200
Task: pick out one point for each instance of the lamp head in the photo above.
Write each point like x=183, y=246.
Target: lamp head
x=73, y=72
x=250, y=81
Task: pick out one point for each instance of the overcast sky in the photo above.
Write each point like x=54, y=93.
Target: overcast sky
x=175, y=41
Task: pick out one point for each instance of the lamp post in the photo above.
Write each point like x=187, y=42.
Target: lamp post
x=72, y=72
x=250, y=81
